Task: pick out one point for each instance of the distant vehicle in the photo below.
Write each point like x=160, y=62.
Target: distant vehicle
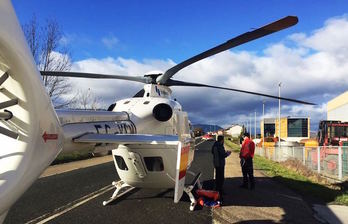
x=208, y=137
x=331, y=134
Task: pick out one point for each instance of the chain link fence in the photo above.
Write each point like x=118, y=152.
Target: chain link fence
x=330, y=161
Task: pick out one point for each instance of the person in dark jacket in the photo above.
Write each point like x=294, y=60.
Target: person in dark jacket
x=220, y=154
x=246, y=161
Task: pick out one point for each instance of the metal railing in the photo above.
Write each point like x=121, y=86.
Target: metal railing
x=330, y=161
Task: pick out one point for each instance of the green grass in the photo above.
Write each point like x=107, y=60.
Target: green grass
x=342, y=199
x=73, y=156
x=295, y=181
x=233, y=145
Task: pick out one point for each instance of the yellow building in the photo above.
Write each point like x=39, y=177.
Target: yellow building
x=337, y=108
x=291, y=128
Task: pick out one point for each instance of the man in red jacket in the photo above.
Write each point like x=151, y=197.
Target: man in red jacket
x=246, y=156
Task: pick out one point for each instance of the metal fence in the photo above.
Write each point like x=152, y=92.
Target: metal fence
x=330, y=161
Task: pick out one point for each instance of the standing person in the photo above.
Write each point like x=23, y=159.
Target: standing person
x=241, y=139
x=220, y=154
x=246, y=156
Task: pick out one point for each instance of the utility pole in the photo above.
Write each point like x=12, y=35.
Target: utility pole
x=280, y=83
x=263, y=118
x=250, y=124
x=247, y=126
x=255, y=125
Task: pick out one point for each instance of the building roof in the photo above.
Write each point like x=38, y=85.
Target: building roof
x=273, y=120
x=233, y=125
x=338, y=101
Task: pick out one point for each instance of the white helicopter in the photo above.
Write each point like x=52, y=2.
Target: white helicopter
x=149, y=134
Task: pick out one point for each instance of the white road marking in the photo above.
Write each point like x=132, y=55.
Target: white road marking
x=200, y=143
x=68, y=207
x=291, y=197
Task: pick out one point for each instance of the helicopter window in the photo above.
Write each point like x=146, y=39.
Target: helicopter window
x=121, y=163
x=111, y=107
x=146, y=102
x=154, y=163
x=139, y=94
x=127, y=102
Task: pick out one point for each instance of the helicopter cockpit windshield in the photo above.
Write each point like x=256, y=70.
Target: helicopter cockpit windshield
x=139, y=94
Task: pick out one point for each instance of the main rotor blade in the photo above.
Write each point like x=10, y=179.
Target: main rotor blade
x=141, y=79
x=241, y=39
x=172, y=82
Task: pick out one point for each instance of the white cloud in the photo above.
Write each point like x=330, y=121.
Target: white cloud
x=330, y=38
x=312, y=69
x=110, y=41
x=65, y=40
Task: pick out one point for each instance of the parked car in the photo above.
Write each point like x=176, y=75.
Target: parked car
x=208, y=137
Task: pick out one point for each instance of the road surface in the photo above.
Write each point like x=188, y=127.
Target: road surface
x=53, y=199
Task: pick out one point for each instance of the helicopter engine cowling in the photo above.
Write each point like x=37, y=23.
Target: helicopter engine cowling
x=155, y=112
x=162, y=112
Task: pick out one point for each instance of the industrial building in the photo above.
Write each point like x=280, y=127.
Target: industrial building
x=291, y=128
x=235, y=130
x=337, y=108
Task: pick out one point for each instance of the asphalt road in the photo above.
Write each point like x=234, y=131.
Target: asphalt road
x=139, y=206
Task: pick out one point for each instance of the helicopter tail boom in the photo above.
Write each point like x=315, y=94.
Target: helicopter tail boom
x=30, y=133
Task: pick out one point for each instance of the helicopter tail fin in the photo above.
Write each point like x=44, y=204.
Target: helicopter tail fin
x=30, y=133
x=181, y=169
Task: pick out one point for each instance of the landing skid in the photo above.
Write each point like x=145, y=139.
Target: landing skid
x=188, y=189
x=119, y=186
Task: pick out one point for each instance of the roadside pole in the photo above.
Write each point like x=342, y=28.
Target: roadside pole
x=340, y=163
x=255, y=125
x=279, y=114
x=263, y=129
x=318, y=158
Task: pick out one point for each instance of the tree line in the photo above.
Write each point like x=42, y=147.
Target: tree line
x=50, y=54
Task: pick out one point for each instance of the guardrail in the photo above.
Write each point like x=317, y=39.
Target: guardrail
x=330, y=161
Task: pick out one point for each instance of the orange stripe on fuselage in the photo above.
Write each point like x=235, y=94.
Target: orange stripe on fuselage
x=183, y=161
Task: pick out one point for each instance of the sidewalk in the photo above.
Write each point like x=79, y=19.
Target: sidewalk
x=66, y=167
x=270, y=202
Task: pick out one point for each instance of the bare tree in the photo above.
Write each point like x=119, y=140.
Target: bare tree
x=50, y=55
x=87, y=100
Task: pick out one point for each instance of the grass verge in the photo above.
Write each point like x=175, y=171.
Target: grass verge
x=297, y=182
x=70, y=157
x=232, y=144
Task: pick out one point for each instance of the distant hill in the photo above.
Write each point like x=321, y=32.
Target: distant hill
x=207, y=127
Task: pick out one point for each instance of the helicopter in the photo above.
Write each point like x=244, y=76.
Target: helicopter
x=149, y=134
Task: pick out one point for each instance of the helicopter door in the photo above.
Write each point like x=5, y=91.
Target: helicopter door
x=138, y=166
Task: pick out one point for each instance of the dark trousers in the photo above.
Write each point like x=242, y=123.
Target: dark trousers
x=248, y=173
x=219, y=179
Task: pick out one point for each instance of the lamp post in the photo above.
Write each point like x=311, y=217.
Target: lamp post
x=280, y=83
x=263, y=119
x=250, y=124
x=255, y=125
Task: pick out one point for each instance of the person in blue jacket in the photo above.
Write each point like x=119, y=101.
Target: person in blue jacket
x=220, y=154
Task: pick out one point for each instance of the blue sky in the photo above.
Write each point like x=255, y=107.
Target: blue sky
x=133, y=37
x=170, y=29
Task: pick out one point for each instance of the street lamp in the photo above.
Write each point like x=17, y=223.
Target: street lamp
x=255, y=125
x=263, y=118
x=250, y=124
x=279, y=84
